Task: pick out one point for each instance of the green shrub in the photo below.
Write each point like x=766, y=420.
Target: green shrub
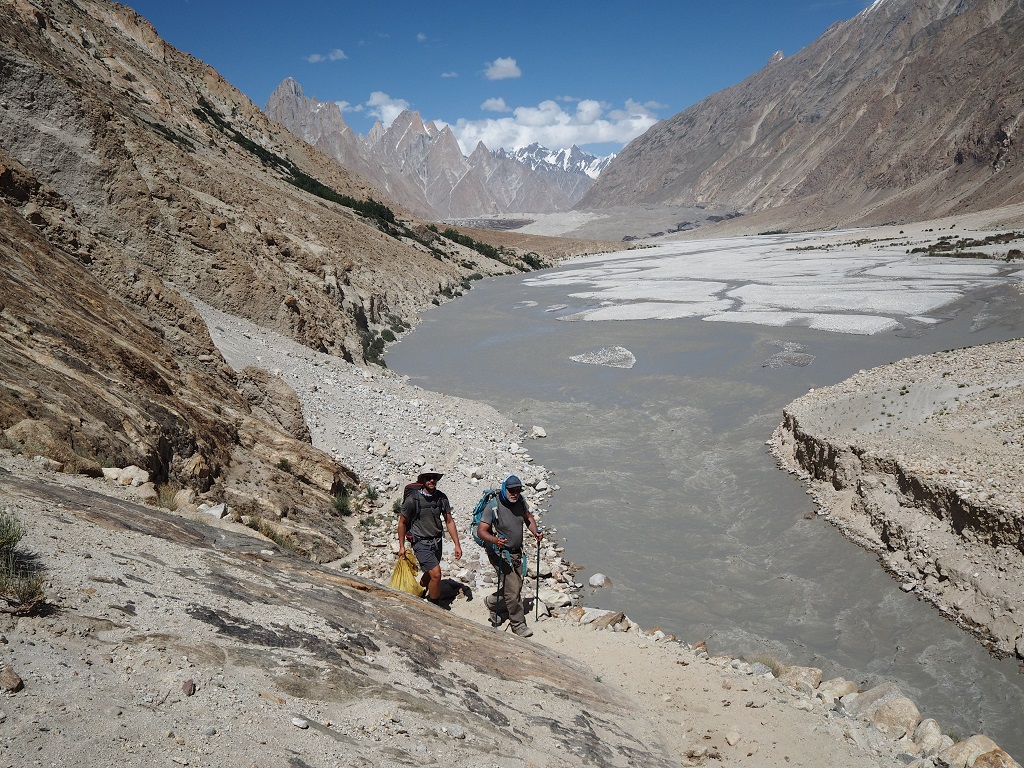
x=11, y=532
x=342, y=503
x=21, y=580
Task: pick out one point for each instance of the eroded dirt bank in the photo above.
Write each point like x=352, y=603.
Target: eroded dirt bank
x=920, y=461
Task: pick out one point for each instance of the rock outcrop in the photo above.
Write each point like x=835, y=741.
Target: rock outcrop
x=920, y=461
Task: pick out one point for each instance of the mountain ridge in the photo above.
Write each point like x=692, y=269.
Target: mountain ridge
x=907, y=111
x=422, y=166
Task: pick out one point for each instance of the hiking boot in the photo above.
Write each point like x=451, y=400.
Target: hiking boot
x=496, y=620
x=523, y=631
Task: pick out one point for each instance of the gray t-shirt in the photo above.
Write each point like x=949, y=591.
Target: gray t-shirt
x=428, y=522
x=510, y=521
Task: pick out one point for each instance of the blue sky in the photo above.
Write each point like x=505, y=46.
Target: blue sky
x=593, y=73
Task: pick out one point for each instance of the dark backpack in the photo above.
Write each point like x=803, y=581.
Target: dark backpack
x=409, y=489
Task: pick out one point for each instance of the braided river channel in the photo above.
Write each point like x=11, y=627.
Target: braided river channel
x=659, y=374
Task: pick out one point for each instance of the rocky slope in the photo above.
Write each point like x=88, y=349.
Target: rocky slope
x=908, y=111
x=919, y=460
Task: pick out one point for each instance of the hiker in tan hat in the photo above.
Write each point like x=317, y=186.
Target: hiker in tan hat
x=423, y=512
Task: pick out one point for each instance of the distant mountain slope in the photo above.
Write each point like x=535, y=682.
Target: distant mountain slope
x=909, y=110
x=422, y=167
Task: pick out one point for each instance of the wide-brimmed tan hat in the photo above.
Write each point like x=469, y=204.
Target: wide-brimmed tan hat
x=424, y=476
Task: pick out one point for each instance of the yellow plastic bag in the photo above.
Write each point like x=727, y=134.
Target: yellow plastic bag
x=404, y=576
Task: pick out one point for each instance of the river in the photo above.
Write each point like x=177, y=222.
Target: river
x=666, y=485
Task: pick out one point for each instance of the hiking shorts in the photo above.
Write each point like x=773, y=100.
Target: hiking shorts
x=428, y=553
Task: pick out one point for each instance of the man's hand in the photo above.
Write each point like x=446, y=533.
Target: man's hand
x=458, y=551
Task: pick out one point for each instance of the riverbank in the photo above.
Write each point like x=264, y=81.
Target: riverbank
x=920, y=461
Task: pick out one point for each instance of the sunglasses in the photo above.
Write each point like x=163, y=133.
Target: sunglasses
x=513, y=491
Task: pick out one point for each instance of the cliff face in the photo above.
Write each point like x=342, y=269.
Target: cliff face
x=919, y=461
x=910, y=110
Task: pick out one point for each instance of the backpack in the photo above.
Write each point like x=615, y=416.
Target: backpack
x=409, y=489
x=478, y=512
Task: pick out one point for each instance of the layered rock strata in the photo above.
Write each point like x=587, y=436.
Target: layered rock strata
x=920, y=461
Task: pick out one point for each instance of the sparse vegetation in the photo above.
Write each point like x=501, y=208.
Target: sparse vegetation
x=21, y=581
x=165, y=496
x=342, y=503
x=284, y=465
x=776, y=666
x=947, y=245
x=373, y=347
x=271, y=531
x=370, y=208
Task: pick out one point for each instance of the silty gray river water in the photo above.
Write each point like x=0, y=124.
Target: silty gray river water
x=665, y=481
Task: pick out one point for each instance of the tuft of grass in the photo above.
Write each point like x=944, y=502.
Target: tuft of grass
x=372, y=493
x=21, y=580
x=776, y=666
x=11, y=531
x=271, y=531
x=165, y=497
x=342, y=503
x=284, y=465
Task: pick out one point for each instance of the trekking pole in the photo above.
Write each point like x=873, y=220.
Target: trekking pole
x=497, y=600
x=536, y=599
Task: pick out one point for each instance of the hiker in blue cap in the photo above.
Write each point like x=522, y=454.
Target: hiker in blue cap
x=424, y=511
x=502, y=525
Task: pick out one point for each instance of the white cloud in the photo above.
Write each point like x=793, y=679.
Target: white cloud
x=422, y=38
x=553, y=125
x=385, y=108
x=449, y=74
x=336, y=55
x=502, y=69
x=496, y=105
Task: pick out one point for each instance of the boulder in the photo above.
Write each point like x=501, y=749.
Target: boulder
x=997, y=758
x=133, y=476
x=809, y=676
x=896, y=716
x=554, y=599
x=836, y=688
x=928, y=736
x=148, y=493
x=964, y=753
